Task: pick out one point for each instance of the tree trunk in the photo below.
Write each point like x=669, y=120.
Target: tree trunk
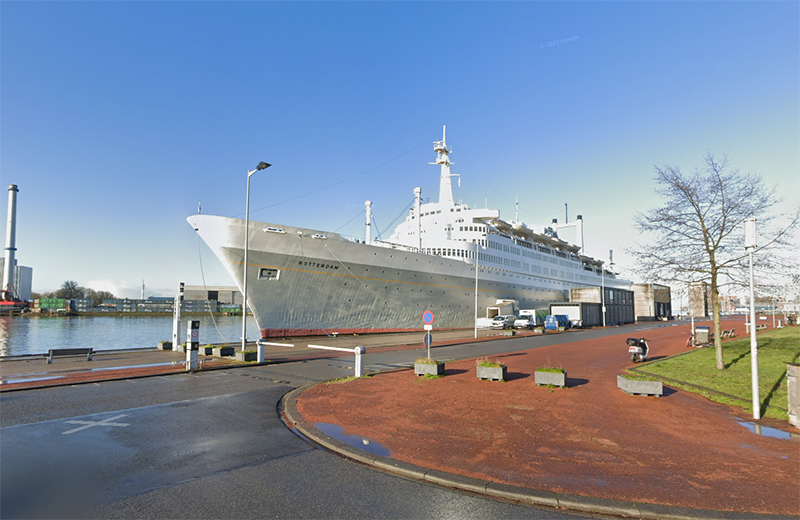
x=717, y=320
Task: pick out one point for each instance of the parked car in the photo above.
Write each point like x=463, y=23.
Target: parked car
x=503, y=322
x=526, y=321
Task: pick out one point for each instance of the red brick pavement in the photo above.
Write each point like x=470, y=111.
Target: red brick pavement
x=589, y=439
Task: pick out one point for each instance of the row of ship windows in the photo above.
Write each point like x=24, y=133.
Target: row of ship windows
x=461, y=253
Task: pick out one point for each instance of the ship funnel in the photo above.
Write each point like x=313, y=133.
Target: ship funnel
x=11, y=242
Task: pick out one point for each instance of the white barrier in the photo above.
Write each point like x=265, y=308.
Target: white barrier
x=262, y=353
x=358, y=351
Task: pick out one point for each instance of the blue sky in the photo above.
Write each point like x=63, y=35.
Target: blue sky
x=116, y=118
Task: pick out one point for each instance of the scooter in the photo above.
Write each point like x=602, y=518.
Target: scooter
x=638, y=349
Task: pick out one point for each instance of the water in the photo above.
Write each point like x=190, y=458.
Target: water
x=766, y=431
x=24, y=335
x=356, y=441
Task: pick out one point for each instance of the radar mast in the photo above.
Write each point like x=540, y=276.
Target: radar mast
x=443, y=159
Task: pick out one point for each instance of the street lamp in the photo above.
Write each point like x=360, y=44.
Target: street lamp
x=475, y=263
x=261, y=166
x=750, y=245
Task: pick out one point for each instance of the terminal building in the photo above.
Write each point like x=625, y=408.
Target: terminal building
x=218, y=293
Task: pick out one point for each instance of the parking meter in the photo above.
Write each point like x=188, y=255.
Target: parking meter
x=192, y=344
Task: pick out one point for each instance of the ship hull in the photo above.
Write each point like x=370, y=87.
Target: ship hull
x=301, y=285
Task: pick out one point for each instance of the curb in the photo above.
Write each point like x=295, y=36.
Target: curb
x=294, y=420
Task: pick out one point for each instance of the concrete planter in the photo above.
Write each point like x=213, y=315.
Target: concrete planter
x=551, y=378
x=422, y=369
x=247, y=355
x=509, y=333
x=207, y=351
x=222, y=351
x=492, y=373
x=165, y=345
x=639, y=387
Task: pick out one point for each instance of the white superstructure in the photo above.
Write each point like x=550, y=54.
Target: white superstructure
x=306, y=281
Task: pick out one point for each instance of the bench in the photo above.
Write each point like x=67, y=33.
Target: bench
x=57, y=352
x=761, y=327
x=729, y=333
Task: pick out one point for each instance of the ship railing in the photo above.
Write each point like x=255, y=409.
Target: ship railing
x=355, y=240
x=392, y=245
x=381, y=243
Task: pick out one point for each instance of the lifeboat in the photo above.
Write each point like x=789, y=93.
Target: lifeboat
x=521, y=230
x=502, y=225
x=542, y=239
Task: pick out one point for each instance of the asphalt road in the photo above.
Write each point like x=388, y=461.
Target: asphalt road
x=211, y=445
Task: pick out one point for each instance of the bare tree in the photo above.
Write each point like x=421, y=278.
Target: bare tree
x=70, y=290
x=97, y=297
x=697, y=235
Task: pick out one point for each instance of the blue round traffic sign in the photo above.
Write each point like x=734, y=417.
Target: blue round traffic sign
x=427, y=339
x=427, y=317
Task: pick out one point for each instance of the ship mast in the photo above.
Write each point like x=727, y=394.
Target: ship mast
x=443, y=159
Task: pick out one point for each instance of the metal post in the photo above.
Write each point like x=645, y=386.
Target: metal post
x=244, y=266
x=754, y=344
x=176, y=319
x=750, y=245
x=603, y=292
x=368, y=229
x=476, y=291
x=359, y=352
x=261, y=166
x=262, y=351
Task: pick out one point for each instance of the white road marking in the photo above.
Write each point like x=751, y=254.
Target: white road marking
x=89, y=424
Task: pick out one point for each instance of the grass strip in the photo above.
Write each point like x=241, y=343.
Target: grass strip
x=696, y=371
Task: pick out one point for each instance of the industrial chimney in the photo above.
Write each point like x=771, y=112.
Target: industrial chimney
x=11, y=242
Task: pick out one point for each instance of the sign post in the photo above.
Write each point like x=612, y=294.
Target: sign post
x=427, y=319
x=176, y=320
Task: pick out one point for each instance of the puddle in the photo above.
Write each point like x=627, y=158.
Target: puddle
x=28, y=380
x=356, y=441
x=766, y=431
x=136, y=366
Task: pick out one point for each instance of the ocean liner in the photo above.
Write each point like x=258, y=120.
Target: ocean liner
x=308, y=281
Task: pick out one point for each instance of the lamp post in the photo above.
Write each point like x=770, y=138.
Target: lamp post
x=603, y=292
x=750, y=245
x=773, y=313
x=261, y=166
x=476, y=288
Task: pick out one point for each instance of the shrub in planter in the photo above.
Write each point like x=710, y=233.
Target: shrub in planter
x=247, y=355
x=553, y=376
x=428, y=366
x=491, y=370
x=223, y=351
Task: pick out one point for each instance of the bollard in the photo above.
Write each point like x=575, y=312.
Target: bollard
x=359, y=351
x=262, y=353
